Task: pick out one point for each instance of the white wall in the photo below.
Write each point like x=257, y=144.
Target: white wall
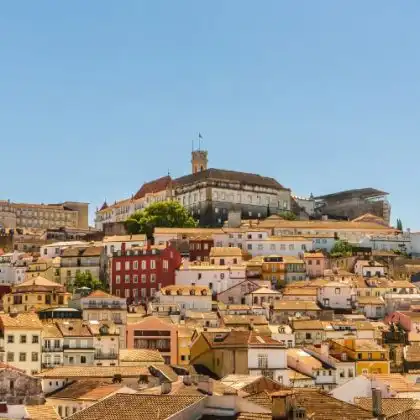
x=195, y=302
x=336, y=300
x=277, y=357
x=269, y=247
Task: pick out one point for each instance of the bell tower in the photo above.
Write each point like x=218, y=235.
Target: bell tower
x=199, y=160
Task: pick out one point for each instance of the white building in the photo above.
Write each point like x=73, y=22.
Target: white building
x=106, y=342
x=282, y=245
x=21, y=341
x=123, y=243
x=337, y=295
x=261, y=296
x=267, y=357
x=283, y=333
x=366, y=268
x=54, y=250
x=217, y=278
x=13, y=267
x=52, y=346
x=197, y=298
x=394, y=242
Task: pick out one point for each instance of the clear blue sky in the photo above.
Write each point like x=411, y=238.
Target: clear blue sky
x=97, y=97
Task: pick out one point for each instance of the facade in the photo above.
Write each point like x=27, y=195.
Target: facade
x=282, y=310
x=197, y=298
x=40, y=267
x=236, y=293
x=20, y=343
x=217, y=278
x=76, y=260
x=13, y=267
x=316, y=263
x=52, y=346
x=337, y=295
x=137, y=274
x=78, y=348
x=153, y=333
x=43, y=216
x=106, y=342
x=35, y=294
x=102, y=307
x=226, y=256
x=53, y=250
x=283, y=245
x=368, y=356
x=295, y=269
x=262, y=295
x=200, y=247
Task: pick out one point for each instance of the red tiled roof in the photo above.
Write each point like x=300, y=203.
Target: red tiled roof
x=151, y=187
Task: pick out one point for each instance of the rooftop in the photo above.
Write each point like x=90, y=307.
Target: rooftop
x=26, y=320
x=41, y=412
x=137, y=407
x=140, y=355
x=295, y=305
x=85, y=390
x=225, y=252
x=347, y=194
x=390, y=406
x=125, y=238
x=79, y=372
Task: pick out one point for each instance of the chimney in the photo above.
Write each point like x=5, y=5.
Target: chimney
x=205, y=384
x=281, y=405
x=377, y=403
x=165, y=388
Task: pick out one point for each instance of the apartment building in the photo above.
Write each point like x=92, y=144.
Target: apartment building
x=43, y=216
x=20, y=341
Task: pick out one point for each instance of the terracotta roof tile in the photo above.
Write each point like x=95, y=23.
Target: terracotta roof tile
x=390, y=406
x=137, y=407
x=27, y=320
x=225, y=252
x=74, y=328
x=140, y=355
x=80, y=372
x=85, y=390
x=41, y=412
x=153, y=187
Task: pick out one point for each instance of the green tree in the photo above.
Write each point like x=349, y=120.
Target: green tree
x=399, y=224
x=287, y=215
x=160, y=214
x=341, y=249
x=87, y=280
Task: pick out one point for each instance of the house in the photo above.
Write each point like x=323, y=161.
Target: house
x=78, y=348
x=337, y=295
x=281, y=245
x=372, y=307
x=368, y=356
x=217, y=278
x=309, y=332
x=40, y=267
x=315, y=263
x=369, y=268
x=187, y=297
x=18, y=387
x=185, y=335
x=53, y=250
x=283, y=333
x=20, y=341
x=200, y=247
x=262, y=295
x=101, y=306
x=52, y=346
x=80, y=395
x=35, y=294
x=283, y=309
x=273, y=269
x=153, y=333
x=240, y=352
x=408, y=320
x=300, y=293
x=74, y=260
x=106, y=341
x=243, y=321
x=137, y=274
x=205, y=319
x=236, y=294
x=400, y=302
x=123, y=243
x=226, y=256
x=295, y=269
x=392, y=385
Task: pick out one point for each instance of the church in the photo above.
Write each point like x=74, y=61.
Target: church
x=211, y=195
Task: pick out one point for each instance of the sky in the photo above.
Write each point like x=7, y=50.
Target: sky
x=98, y=96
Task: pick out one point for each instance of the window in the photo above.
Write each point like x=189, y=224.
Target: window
x=10, y=338
x=22, y=357
x=117, y=279
x=260, y=247
x=283, y=247
x=127, y=293
x=205, y=246
x=382, y=356
x=135, y=265
x=117, y=292
x=152, y=291
x=350, y=373
x=222, y=276
x=165, y=265
x=152, y=278
x=118, y=266
x=272, y=247
x=35, y=339
x=83, y=359
x=359, y=356
x=337, y=290
x=127, y=265
x=143, y=278
x=143, y=265
x=303, y=247
x=308, y=336
x=249, y=246
x=10, y=357
x=262, y=361
x=34, y=356
x=135, y=278
x=127, y=278
x=153, y=264
x=309, y=262
x=22, y=339
x=216, y=210
x=291, y=247
x=370, y=356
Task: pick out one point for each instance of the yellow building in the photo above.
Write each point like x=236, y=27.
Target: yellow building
x=368, y=356
x=35, y=294
x=269, y=268
x=184, y=342
x=40, y=268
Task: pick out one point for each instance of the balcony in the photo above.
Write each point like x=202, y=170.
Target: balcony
x=51, y=365
x=106, y=356
x=78, y=348
x=52, y=349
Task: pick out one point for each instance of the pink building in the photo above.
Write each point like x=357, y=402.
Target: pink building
x=154, y=334
x=409, y=320
x=316, y=263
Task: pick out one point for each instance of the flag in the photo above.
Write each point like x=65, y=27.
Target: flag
x=200, y=136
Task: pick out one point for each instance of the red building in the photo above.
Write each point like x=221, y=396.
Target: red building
x=138, y=273
x=200, y=248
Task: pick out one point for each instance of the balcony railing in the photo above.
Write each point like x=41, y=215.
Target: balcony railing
x=52, y=349
x=78, y=347
x=106, y=356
